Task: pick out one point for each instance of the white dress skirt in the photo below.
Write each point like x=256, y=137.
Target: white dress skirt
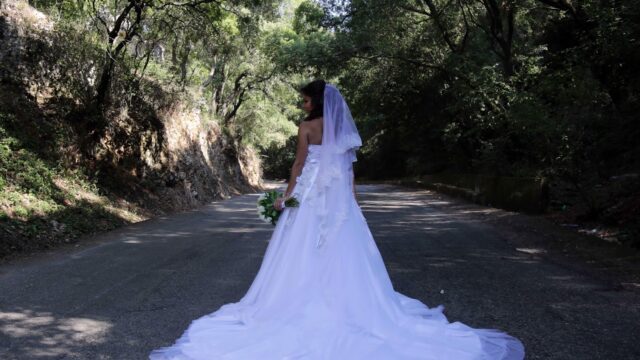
x=334, y=304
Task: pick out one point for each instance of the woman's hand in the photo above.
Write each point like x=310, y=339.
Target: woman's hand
x=279, y=203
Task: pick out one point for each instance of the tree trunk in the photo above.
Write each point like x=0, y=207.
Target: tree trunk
x=501, y=18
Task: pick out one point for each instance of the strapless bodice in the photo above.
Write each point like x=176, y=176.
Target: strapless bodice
x=309, y=172
x=313, y=152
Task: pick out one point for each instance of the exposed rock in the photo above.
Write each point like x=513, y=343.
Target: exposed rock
x=156, y=153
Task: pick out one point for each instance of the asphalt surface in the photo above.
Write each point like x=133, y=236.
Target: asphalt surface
x=135, y=289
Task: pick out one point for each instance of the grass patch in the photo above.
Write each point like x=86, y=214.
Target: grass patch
x=42, y=203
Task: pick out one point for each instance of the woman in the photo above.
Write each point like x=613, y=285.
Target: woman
x=309, y=132
x=322, y=291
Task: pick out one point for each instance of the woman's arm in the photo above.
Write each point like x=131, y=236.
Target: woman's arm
x=301, y=155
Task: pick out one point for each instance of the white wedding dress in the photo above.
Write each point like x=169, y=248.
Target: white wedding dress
x=335, y=303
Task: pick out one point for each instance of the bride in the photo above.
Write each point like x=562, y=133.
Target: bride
x=322, y=291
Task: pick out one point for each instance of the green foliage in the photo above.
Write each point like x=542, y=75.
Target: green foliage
x=21, y=167
x=527, y=90
x=439, y=86
x=424, y=86
x=266, y=121
x=42, y=203
x=308, y=18
x=277, y=159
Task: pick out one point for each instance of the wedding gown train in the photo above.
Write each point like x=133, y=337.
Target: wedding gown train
x=334, y=304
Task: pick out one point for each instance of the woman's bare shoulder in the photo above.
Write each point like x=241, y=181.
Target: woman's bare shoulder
x=304, y=129
x=310, y=127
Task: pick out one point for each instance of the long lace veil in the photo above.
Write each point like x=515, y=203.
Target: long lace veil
x=340, y=140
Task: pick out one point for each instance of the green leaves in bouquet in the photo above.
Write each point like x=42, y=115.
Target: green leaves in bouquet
x=292, y=202
x=268, y=204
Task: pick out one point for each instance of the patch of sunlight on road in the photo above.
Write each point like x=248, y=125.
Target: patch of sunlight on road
x=42, y=334
x=484, y=211
x=223, y=209
x=531, y=251
x=442, y=264
x=387, y=204
x=439, y=203
x=631, y=285
x=399, y=268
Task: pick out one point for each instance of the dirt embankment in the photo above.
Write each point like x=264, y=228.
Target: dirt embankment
x=156, y=154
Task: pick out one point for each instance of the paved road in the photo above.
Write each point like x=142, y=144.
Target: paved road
x=137, y=288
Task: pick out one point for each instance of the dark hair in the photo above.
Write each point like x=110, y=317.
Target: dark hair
x=315, y=90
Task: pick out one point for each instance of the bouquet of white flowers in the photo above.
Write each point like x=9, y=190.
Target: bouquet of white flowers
x=266, y=206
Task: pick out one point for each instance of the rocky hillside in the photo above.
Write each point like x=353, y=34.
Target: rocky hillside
x=58, y=181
